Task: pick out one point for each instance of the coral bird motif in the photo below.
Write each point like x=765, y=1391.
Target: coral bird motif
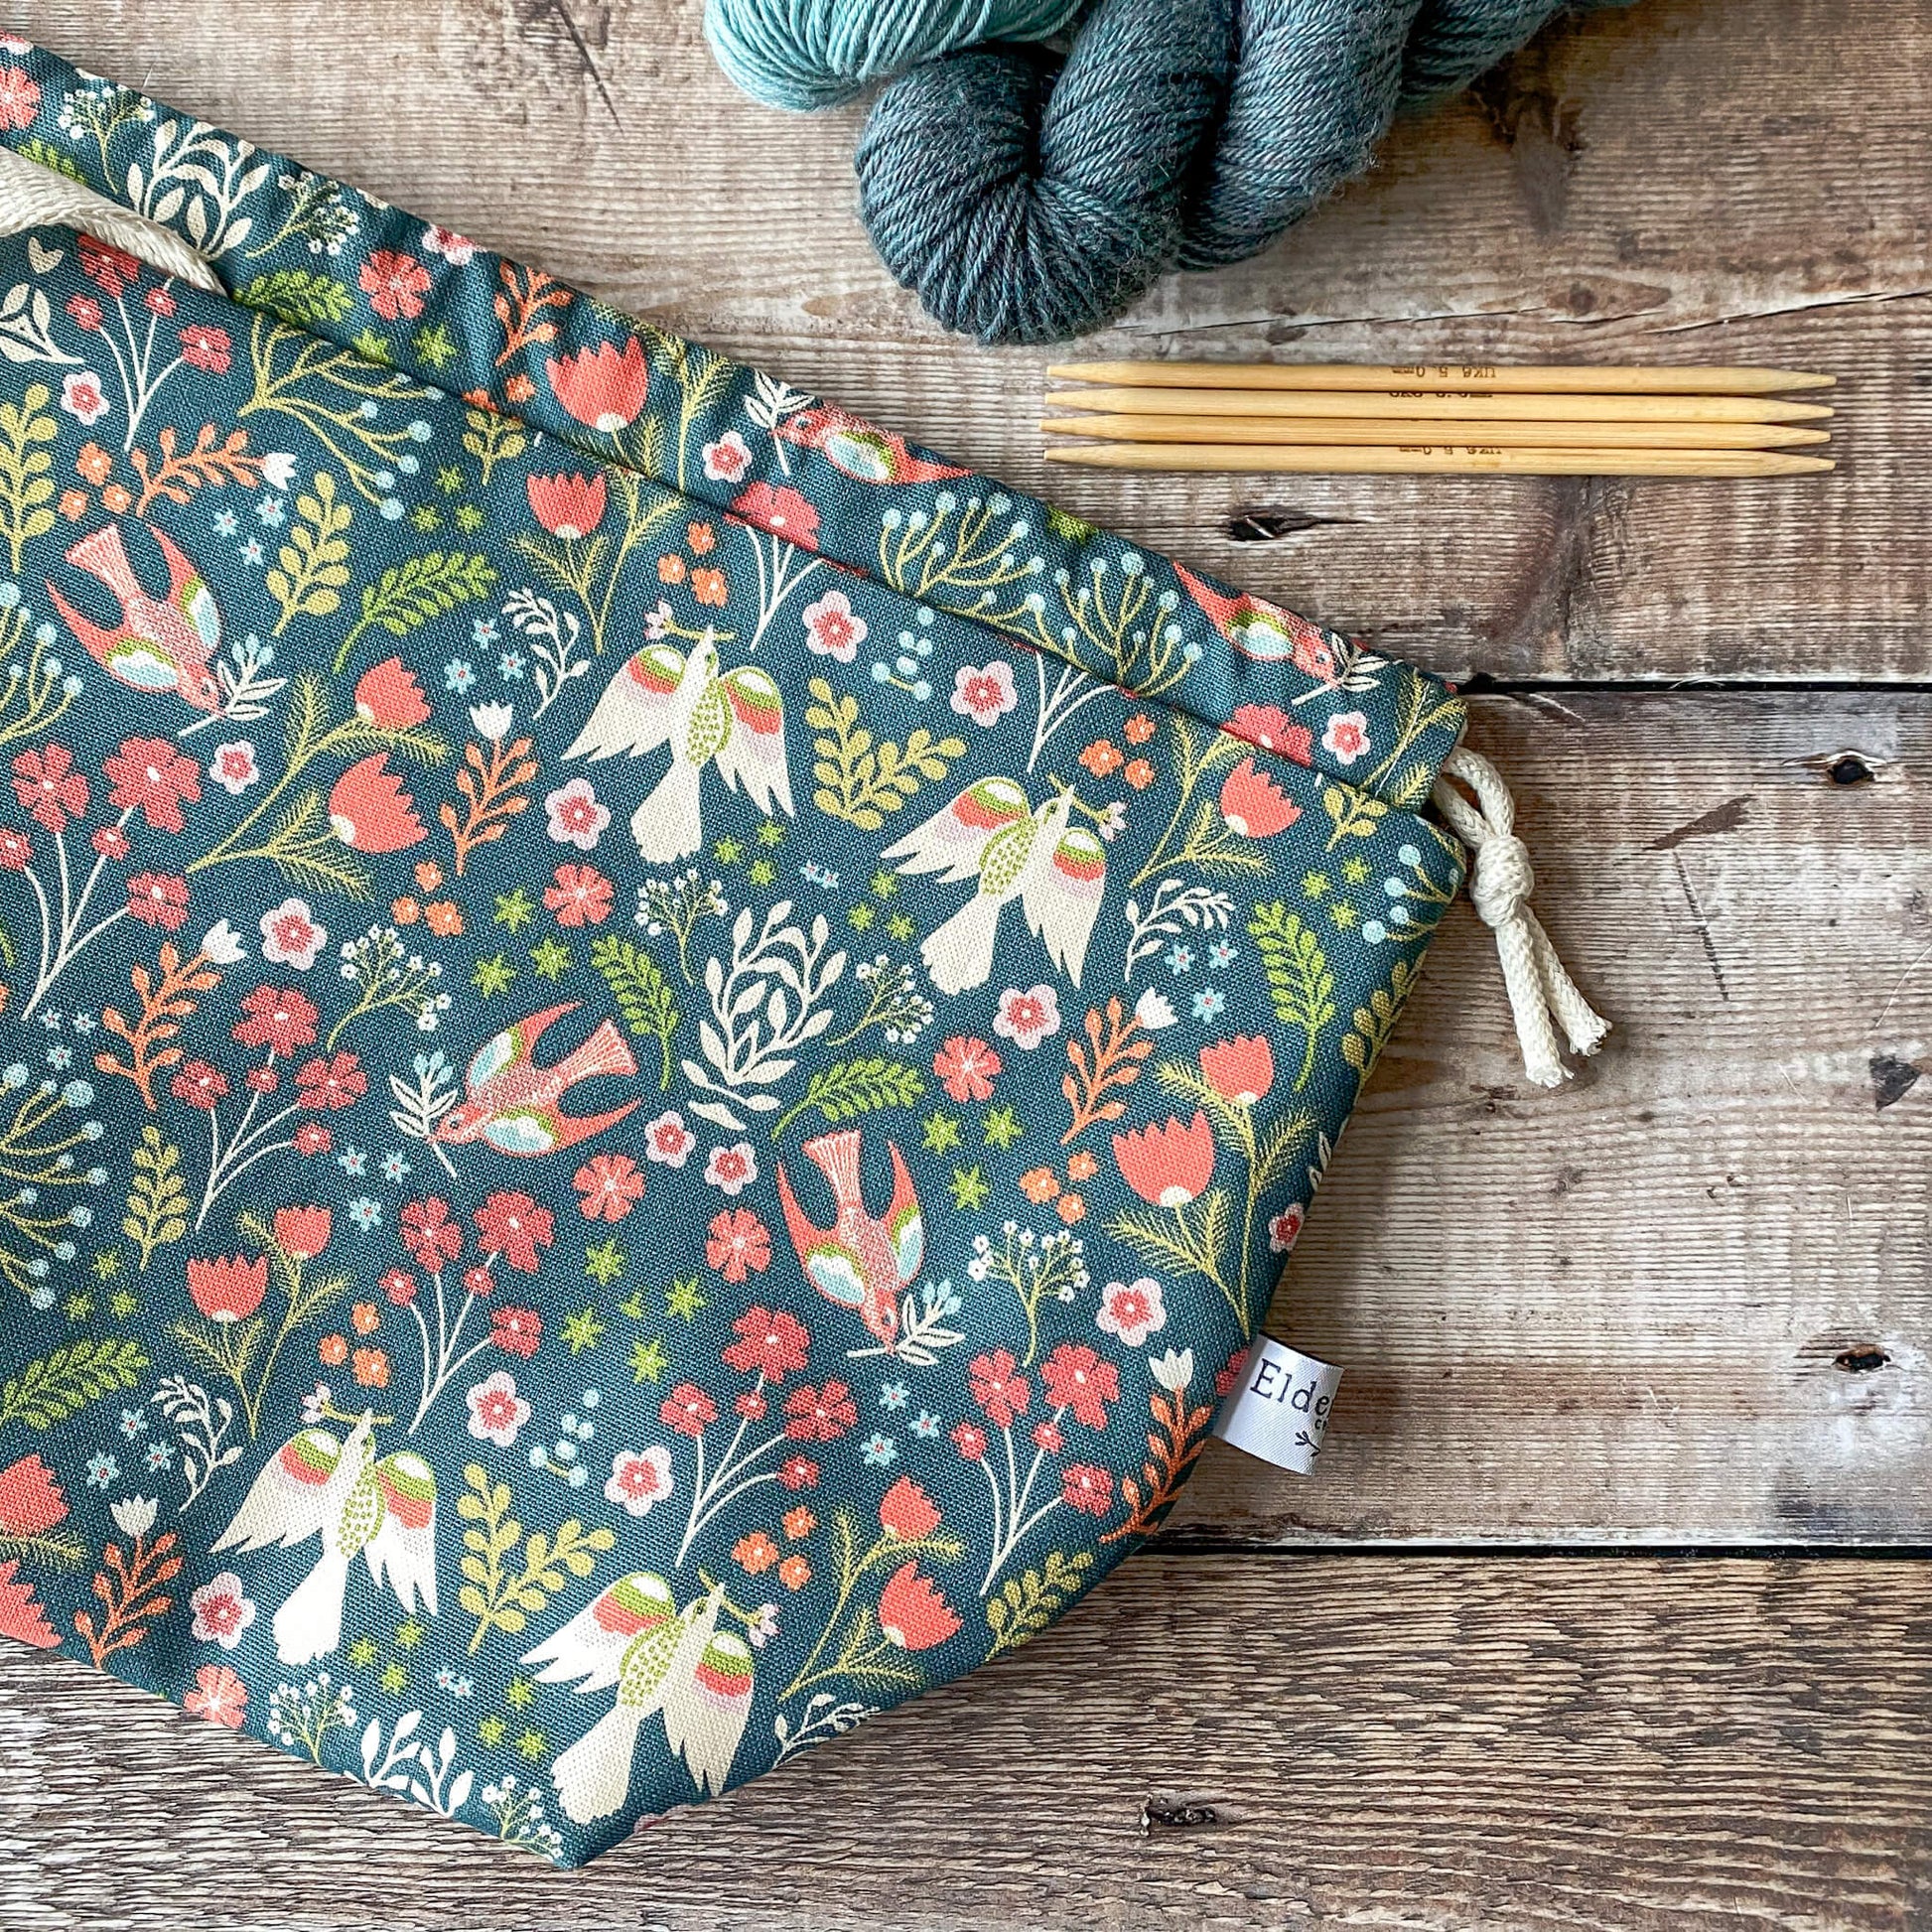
x=732, y=720
x=380, y=1508
x=634, y=1639
x=512, y=1102
x=860, y=450
x=859, y=1262
x=1056, y=870
x=1264, y=630
x=159, y=644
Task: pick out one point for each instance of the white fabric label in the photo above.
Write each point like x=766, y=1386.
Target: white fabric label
x=1281, y=1407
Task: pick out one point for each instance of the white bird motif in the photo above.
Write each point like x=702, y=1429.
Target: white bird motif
x=732, y=720
x=1056, y=870
x=380, y=1508
x=633, y=1637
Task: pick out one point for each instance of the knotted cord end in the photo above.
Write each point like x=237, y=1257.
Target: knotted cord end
x=1542, y=995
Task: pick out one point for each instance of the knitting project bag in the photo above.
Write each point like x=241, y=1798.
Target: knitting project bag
x=657, y=1050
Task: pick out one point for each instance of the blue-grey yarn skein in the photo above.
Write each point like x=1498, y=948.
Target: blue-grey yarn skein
x=808, y=54
x=1027, y=205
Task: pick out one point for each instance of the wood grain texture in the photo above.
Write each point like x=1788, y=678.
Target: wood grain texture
x=1205, y=1743
x=1690, y=180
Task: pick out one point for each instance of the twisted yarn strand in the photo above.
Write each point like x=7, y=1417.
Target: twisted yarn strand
x=1026, y=198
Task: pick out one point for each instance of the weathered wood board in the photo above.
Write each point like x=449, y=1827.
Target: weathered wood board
x=1685, y=1302
x=1205, y=1743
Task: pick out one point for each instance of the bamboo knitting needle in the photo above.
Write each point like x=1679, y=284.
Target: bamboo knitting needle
x=1365, y=404
x=1446, y=377
x=1540, y=435
x=1429, y=460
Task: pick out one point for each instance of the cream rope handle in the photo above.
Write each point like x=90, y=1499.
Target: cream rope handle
x=33, y=196
x=1500, y=884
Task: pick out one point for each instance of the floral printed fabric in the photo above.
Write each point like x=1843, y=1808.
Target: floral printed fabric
x=656, y=1053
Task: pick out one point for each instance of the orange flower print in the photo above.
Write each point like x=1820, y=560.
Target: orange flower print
x=670, y=569
x=1040, y=1184
x=429, y=875
x=702, y=539
x=1138, y=774
x=708, y=586
x=794, y=1573
x=1082, y=1167
x=116, y=499
x=1071, y=1209
x=74, y=504
x=405, y=911
x=93, y=462
x=334, y=1351
x=371, y=1367
x=519, y=388
x=364, y=1317
x=1137, y=729
x=1103, y=757
x=799, y=1523
x=754, y=1553
x=444, y=917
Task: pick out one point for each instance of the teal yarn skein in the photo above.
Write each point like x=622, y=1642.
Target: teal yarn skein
x=810, y=53
x=1027, y=197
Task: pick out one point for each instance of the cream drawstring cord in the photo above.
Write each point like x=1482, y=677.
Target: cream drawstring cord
x=1500, y=884
x=33, y=196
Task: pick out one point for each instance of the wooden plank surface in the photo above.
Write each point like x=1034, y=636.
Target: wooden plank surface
x=1206, y=1743
x=1690, y=180
x=1685, y=1302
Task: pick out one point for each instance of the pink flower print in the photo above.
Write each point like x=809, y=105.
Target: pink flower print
x=456, y=249
x=1132, y=1310
x=668, y=1140
x=576, y=816
x=639, y=1478
x=832, y=628
x=292, y=935
x=1027, y=1018
x=497, y=1411
x=1345, y=737
x=83, y=398
x=221, y=1612
x=220, y=1697
x=732, y=1168
x=728, y=459
x=1284, y=1228
x=233, y=767
x=984, y=696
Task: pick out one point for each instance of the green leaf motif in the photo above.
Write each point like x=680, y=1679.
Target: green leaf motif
x=407, y=594
x=497, y=1596
x=1300, y=983
x=313, y=565
x=642, y=992
x=847, y=1088
x=26, y=489
x=298, y=296
x=1025, y=1606
x=157, y=1199
x=860, y=778
x=1375, y=1021
x=60, y=1385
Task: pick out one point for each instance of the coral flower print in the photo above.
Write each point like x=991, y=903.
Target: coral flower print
x=1345, y=737
x=737, y=1241
x=688, y=1410
x=1241, y=1069
x=600, y=387
x=206, y=347
x=770, y=1344
x=303, y=1233
x=497, y=1411
x=517, y=1331
x=1027, y=1018
x=514, y=1227
x=610, y=1185
x=1253, y=805
x=48, y=786
x=912, y=1614
x=1076, y=1378
x=1167, y=1166
x=966, y=1068
x=907, y=1512
x=984, y=696
x=81, y=397
x=820, y=1415
x=833, y=629
x=150, y=775
x=1272, y=730
x=221, y=1612
x=226, y=1291
x=395, y=283
x=292, y=935
x=219, y=1696
x=156, y=898
x=580, y=896
x=639, y=1478
x=783, y=512
x=575, y=815
x=279, y=1018
x=1087, y=1488
x=998, y=1388
x=668, y=1140
x=20, y=97
x=567, y=507
x=1132, y=1310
